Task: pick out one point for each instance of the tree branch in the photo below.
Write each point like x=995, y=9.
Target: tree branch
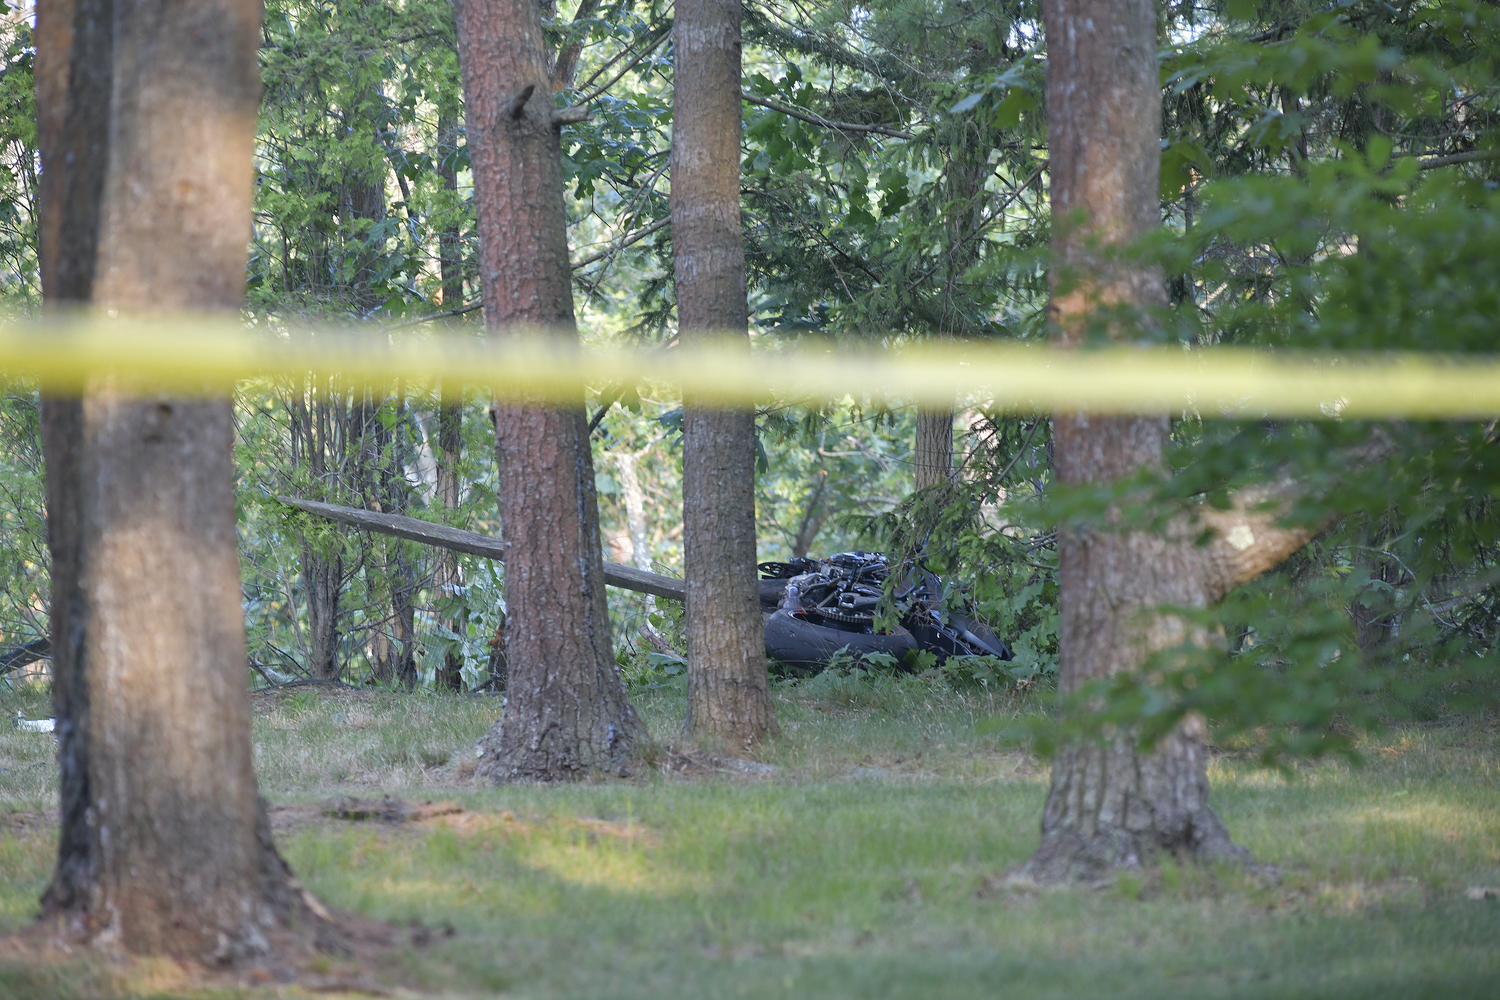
x=20, y=656
x=487, y=546
x=567, y=59
x=470, y=307
x=1249, y=540
x=623, y=242
x=819, y=120
x=1471, y=156
x=603, y=87
x=616, y=247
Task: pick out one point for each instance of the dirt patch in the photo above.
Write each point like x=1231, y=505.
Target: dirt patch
x=387, y=810
x=704, y=764
x=392, y=813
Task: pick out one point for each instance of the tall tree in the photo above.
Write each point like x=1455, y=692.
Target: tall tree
x=147, y=119
x=728, y=692
x=1110, y=803
x=566, y=714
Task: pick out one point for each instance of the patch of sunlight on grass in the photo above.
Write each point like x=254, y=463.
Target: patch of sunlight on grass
x=1431, y=817
x=851, y=870
x=601, y=868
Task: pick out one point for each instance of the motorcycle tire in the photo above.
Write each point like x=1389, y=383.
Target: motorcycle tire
x=805, y=648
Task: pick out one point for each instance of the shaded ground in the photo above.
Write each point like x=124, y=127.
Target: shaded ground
x=849, y=861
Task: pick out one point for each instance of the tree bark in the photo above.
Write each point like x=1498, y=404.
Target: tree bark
x=932, y=458
x=1111, y=805
x=322, y=576
x=567, y=715
x=147, y=131
x=728, y=691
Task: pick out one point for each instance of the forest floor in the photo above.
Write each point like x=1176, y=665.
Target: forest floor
x=853, y=860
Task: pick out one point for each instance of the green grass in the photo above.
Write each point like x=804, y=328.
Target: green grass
x=852, y=869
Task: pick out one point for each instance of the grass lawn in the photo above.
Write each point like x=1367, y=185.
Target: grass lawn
x=849, y=866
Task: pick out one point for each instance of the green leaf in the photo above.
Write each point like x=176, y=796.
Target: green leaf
x=893, y=190
x=1178, y=162
x=1008, y=112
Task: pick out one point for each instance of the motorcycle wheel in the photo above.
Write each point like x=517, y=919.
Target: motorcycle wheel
x=805, y=648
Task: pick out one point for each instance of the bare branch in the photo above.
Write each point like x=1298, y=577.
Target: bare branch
x=518, y=102
x=468, y=308
x=1472, y=156
x=817, y=119
x=571, y=115
x=1249, y=540
x=623, y=242
x=646, y=51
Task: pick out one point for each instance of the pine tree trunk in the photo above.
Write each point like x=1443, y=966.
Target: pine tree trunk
x=728, y=691
x=1106, y=807
x=383, y=474
x=566, y=715
x=147, y=131
x=1113, y=806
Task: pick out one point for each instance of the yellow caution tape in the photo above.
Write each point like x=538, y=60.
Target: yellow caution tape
x=211, y=355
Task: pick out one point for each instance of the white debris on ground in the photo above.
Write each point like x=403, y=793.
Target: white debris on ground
x=34, y=725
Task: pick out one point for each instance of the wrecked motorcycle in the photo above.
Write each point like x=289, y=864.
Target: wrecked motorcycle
x=817, y=609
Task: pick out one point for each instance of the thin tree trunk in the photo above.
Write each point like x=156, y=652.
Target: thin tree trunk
x=566, y=715
x=566, y=67
x=446, y=578
x=963, y=182
x=322, y=567
x=628, y=463
x=813, y=514
x=372, y=446
x=932, y=458
x=147, y=130
x=321, y=578
x=728, y=691
x=399, y=569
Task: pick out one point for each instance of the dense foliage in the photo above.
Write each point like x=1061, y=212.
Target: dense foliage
x=1329, y=180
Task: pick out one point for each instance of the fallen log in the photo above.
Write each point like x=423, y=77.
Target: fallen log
x=488, y=546
x=15, y=659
